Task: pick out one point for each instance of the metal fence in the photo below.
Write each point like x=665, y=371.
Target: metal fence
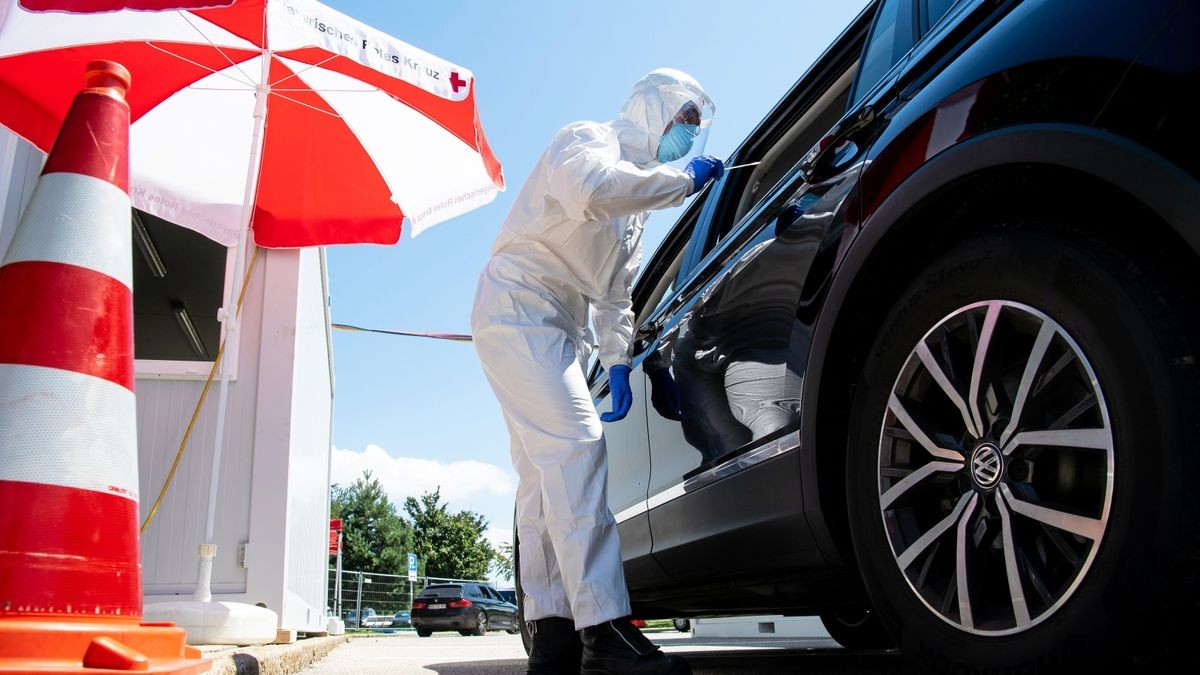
x=377, y=598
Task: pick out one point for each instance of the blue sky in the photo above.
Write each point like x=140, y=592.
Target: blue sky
x=424, y=404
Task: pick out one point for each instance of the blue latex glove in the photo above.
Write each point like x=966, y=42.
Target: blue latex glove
x=622, y=395
x=703, y=169
x=664, y=394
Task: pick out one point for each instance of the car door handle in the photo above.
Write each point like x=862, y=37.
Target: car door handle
x=818, y=158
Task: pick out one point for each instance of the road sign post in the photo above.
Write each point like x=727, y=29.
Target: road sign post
x=412, y=576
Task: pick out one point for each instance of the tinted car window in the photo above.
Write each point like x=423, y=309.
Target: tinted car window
x=932, y=11
x=442, y=592
x=891, y=38
x=657, y=282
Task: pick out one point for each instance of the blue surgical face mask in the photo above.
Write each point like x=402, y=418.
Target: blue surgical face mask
x=677, y=141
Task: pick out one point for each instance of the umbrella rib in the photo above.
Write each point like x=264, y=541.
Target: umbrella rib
x=200, y=65
x=351, y=91
x=310, y=67
x=306, y=105
x=214, y=46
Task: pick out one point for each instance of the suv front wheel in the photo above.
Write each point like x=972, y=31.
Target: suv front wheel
x=1019, y=458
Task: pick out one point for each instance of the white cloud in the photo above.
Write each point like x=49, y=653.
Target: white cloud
x=498, y=535
x=484, y=488
x=465, y=480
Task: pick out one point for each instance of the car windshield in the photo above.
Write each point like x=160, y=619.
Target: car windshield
x=442, y=592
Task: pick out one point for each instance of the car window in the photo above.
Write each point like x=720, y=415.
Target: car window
x=779, y=160
x=442, y=592
x=664, y=286
x=656, y=284
x=891, y=38
x=931, y=11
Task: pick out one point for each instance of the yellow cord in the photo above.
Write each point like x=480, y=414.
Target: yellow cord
x=199, y=404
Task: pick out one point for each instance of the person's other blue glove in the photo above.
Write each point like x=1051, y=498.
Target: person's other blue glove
x=622, y=395
x=664, y=394
x=703, y=169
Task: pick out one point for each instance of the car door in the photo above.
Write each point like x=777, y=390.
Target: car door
x=627, y=440
x=497, y=616
x=499, y=613
x=725, y=493
x=479, y=597
x=732, y=340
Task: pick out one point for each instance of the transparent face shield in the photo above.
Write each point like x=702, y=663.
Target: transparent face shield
x=684, y=137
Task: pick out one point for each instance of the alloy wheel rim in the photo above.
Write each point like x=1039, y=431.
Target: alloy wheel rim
x=995, y=468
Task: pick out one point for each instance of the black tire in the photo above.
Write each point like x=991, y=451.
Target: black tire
x=481, y=624
x=682, y=625
x=1136, y=570
x=421, y=632
x=512, y=631
x=522, y=625
x=857, y=628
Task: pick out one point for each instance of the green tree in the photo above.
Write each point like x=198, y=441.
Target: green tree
x=503, y=563
x=450, y=545
x=374, y=537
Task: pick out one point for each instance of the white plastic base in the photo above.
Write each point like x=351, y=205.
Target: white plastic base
x=335, y=626
x=217, y=623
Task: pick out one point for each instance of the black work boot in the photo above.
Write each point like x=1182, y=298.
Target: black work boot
x=556, y=648
x=618, y=648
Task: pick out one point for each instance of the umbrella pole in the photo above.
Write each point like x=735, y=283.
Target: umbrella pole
x=229, y=330
x=208, y=622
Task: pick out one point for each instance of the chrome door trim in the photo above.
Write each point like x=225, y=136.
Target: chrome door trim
x=735, y=465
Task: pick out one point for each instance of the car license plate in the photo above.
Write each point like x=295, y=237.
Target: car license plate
x=438, y=606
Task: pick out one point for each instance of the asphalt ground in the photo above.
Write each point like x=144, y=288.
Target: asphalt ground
x=502, y=654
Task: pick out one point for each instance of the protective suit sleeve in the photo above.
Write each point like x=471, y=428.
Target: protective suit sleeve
x=612, y=316
x=591, y=182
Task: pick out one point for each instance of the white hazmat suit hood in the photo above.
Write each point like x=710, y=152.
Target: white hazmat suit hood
x=655, y=100
x=566, y=256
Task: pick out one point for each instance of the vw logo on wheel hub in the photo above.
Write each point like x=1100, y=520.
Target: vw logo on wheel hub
x=987, y=465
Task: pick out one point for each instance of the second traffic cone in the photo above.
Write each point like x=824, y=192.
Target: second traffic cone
x=70, y=569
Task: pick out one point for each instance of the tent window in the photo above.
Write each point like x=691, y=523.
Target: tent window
x=178, y=281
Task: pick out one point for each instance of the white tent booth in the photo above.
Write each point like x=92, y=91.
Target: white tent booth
x=272, y=512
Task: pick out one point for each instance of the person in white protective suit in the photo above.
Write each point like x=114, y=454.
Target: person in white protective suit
x=566, y=255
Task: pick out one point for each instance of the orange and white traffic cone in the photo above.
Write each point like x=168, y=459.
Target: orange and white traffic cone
x=70, y=568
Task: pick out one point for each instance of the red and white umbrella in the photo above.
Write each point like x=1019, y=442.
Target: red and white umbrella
x=332, y=131
x=284, y=116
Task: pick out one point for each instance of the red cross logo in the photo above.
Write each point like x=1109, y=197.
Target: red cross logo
x=456, y=81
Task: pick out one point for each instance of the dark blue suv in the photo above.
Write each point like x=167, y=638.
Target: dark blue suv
x=938, y=349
